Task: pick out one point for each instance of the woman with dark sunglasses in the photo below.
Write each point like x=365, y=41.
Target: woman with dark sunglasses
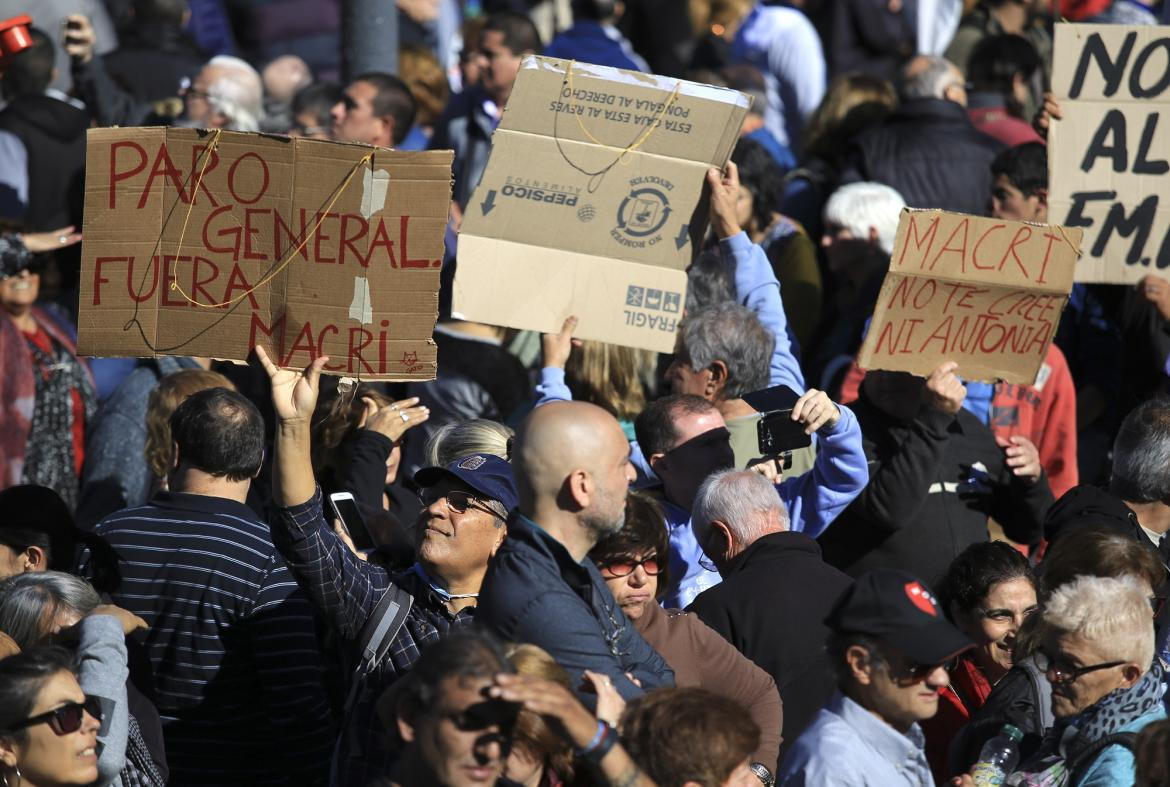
x=633, y=564
x=48, y=727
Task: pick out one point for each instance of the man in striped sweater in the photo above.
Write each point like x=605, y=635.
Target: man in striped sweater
x=237, y=666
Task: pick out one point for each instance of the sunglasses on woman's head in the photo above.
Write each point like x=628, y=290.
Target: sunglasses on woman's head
x=66, y=719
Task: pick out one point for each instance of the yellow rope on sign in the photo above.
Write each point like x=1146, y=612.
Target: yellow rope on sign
x=637, y=143
x=292, y=252
x=596, y=177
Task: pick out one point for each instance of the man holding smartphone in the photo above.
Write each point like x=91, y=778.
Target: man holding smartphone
x=462, y=524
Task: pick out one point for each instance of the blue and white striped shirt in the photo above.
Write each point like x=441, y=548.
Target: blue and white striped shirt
x=232, y=640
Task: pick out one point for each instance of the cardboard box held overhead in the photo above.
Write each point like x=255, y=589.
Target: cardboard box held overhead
x=592, y=202
x=208, y=243
x=985, y=293
x=1109, y=156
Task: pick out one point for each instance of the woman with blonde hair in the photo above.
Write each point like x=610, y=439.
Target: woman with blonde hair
x=540, y=756
x=607, y=375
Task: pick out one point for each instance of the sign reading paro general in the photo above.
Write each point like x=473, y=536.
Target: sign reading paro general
x=207, y=243
x=1109, y=157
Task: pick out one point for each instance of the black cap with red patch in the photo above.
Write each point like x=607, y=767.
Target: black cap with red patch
x=899, y=609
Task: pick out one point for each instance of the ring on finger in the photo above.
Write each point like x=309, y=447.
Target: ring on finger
x=405, y=417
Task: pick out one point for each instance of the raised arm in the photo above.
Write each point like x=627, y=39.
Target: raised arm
x=756, y=286
x=840, y=472
x=342, y=587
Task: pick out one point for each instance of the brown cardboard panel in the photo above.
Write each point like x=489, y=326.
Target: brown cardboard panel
x=618, y=302
x=593, y=169
x=299, y=245
x=1108, y=156
x=986, y=293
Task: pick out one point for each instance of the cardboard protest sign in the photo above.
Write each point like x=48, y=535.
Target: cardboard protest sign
x=1108, y=155
x=986, y=293
x=591, y=202
x=206, y=243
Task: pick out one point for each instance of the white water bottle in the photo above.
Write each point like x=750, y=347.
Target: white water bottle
x=998, y=758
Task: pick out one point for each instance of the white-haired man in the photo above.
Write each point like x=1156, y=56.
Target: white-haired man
x=860, y=220
x=928, y=148
x=227, y=93
x=1097, y=651
x=742, y=526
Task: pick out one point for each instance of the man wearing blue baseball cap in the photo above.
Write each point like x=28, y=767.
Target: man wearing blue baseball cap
x=383, y=619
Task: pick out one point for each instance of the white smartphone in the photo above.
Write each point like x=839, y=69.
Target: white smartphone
x=345, y=508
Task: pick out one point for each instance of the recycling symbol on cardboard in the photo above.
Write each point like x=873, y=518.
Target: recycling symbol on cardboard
x=643, y=212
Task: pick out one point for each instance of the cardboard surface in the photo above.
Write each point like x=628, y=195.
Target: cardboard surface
x=277, y=248
x=985, y=293
x=592, y=196
x=1108, y=156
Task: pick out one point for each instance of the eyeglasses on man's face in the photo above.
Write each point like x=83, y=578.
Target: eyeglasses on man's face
x=457, y=501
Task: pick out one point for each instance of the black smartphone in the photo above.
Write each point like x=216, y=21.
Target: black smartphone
x=345, y=508
x=777, y=433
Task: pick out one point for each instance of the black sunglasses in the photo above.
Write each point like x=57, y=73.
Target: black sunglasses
x=66, y=719
x=489, y=713
x=457, y=501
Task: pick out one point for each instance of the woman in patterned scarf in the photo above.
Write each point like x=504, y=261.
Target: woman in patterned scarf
x=1098, y=654
x=46, y=391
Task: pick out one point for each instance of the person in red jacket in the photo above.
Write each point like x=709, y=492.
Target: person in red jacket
x=988, y=592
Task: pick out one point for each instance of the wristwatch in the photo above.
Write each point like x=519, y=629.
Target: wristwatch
x=763, y=774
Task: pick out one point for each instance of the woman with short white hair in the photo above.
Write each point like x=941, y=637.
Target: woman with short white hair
x=1098, y=654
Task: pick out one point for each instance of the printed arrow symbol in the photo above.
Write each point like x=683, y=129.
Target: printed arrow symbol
x=489, y=203
x=682, y=238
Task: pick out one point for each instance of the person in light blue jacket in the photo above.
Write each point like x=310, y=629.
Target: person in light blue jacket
x=813, y=498
x=1097, y=651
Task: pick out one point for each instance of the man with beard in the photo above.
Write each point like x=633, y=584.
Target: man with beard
x=460, y=527
x=573, y=471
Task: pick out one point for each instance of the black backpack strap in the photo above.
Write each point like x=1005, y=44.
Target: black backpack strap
x=382, y=627
x=1079, y=764
x=373, y=643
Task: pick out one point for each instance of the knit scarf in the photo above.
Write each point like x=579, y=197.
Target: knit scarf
x=18, y=389
x=1049, y=767
x=49, y=459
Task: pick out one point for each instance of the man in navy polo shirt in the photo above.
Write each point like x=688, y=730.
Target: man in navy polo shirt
x=237, y=666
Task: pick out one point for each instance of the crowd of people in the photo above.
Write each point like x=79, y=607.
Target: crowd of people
x=563, y=562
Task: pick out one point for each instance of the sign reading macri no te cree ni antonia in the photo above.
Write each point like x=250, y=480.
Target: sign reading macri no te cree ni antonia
x=985, y=293
x=206, y=243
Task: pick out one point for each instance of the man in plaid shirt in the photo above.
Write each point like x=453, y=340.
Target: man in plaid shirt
x=460, y=528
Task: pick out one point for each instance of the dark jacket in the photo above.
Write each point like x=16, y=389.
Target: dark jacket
x=534, y=591
x=1023, y=697
x=930, y=152
x=864, y=35
x=152, y=63
x=466, y=128
x=771, y=605
x=590, y=42
x=702, y=658
x=53, y=133
x=933, y=482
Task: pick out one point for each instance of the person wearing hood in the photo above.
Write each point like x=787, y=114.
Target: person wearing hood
x=52, y=129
